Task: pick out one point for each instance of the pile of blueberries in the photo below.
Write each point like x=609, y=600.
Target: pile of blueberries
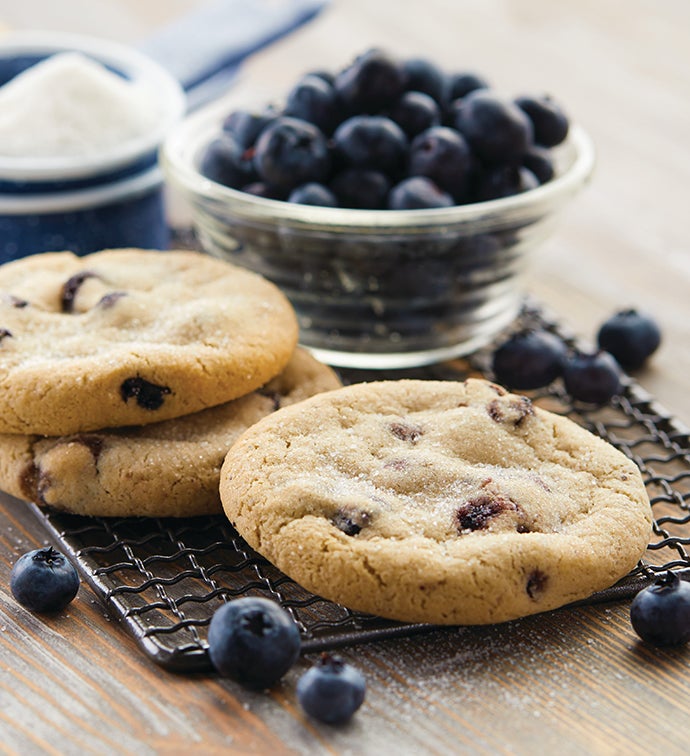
x=252, y=640
x=385, y=133
x=532, y=359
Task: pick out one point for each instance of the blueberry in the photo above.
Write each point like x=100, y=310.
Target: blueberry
x=421, y=75
x=313, y=194
x=373, y=82
x=461, y=84
x=529, y=359
x=253, y=641
x=332, y=690
x=361, y=188
x=660, y=613
x=327, y=76
x=291, y=152
x=592, y=377
x=442, y=155
x=416, y=193
x=500, y=181
x=147, y=395
x=44, y=580
x=538, y=162
x=225, y=161
x=372, y=142
x=630, y=336
x=550, y=123
x=262, y=189
x=415, y=112
x=497, y=130
x=246, y=125
x=314, y=100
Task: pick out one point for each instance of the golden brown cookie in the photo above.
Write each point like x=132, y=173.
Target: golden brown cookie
x=436, y=501
x=166, y=469
x=129, y=337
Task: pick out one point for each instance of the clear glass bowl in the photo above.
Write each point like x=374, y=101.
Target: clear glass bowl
x=379, y=289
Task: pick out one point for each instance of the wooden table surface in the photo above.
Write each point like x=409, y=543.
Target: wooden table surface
x=570, y=682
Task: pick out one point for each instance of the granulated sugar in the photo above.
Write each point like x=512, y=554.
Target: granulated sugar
x=69, y=105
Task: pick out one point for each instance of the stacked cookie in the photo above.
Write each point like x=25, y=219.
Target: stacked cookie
x=127, y=374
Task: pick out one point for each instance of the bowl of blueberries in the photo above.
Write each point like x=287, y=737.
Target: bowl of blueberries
x=394, y=203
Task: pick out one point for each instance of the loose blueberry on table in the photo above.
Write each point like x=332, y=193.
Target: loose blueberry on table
x=529, y=359
x=593, y=377
x=630, y=336
x=332, y=690
x=660, y=613
x=397, y=119
x=44, y=580
x=253, y=641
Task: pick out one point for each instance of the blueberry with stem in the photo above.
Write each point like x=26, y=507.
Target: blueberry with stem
x=44, y=580
x=630, y=336
x=529, y=359
x=660, y=613
x=253, y=641
x=332, y=690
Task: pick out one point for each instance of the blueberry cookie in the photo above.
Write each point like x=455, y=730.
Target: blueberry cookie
x=436, y=501
x=166, y=469
x=129, y=336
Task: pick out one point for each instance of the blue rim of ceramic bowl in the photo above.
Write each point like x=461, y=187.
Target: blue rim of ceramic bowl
x=121, y=58
x=183, y=146
x=86, y=198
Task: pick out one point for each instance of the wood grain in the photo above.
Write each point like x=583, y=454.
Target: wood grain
x=571, y=682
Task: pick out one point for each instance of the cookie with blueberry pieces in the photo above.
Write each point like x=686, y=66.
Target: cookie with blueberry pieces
x=436, y=501
x=166, y=469
x=130, y=337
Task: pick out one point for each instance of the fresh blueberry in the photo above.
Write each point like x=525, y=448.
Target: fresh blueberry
x=253, y=641
x=529, y=359
x=415, y=112
x=461, y=84
x=331, y=691
x=630, y=336
x=421, y=75
x=373, y=82
x=246, y=125
x=592, y=377
x=361, y=188
x=291, y=152
x=442, y=155
x=313, y=194
x=372, y=142
x=314, y=100
x=497, y=130
x=261, y=189
x=549, y=122
x=44, y=580
x=660, y=613
x=327, y=76
x=418, y=192
x=225, y=161
x=495, y=182
x=538, y=162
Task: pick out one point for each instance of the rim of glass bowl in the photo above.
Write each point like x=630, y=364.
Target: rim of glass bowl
x=122, y=58
x=183, y=146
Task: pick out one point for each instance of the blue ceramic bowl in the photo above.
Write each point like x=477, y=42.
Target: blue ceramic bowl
x=87, y=203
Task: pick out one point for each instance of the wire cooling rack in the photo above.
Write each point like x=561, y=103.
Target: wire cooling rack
x=164, y=578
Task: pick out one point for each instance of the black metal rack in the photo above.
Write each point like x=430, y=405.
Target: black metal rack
x=164, y=578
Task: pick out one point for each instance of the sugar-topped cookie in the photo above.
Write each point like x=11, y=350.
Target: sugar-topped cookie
x=129, y=336
x=166, y=469
x=436, y=501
